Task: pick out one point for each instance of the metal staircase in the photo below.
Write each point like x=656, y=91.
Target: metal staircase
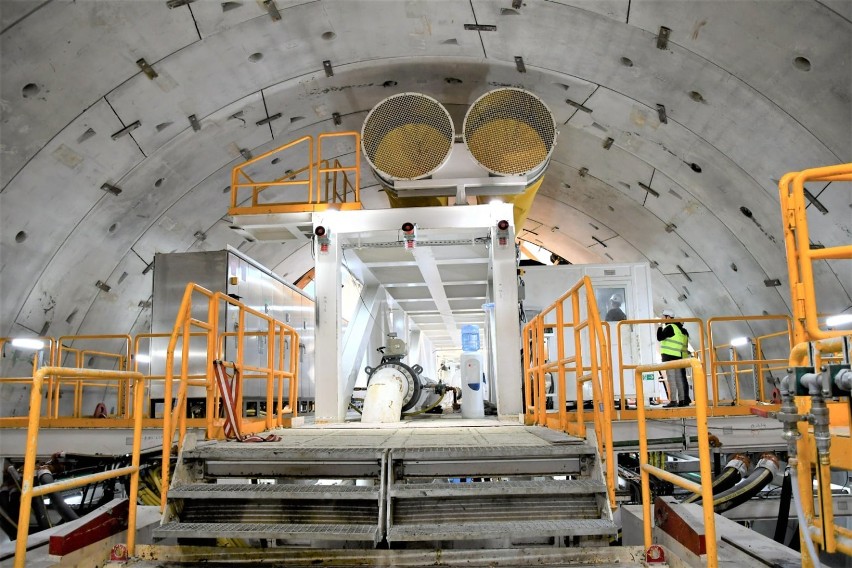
x=499, y=496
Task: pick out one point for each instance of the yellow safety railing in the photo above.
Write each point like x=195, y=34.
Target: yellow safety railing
x=800, y=255
x=626, y=369
x=194, y=380
x=339, y=181
x=27, y=489
x=705, y=489
x=120, y=358
x=338, y=185
x=279, y=374
x=756, y=366
x=48, y=344
x=572, y=317
x=277, y=370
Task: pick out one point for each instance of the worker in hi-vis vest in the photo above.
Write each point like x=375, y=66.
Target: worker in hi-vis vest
x=674, y=345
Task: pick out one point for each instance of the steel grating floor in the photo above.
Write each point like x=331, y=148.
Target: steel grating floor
x=454, y=531
x=451, y=437
x=263, y=530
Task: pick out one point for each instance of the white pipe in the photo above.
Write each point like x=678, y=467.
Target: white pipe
x=800, y=513
x=383, y=401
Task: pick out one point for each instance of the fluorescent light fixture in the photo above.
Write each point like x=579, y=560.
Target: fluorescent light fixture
x=142, y=358
x=739, y=341
x=838, y=320
x=28, y=343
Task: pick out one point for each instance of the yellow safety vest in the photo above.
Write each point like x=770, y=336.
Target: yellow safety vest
x=675, y=345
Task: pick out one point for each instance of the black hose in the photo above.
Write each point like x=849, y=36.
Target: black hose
x=784, y=510
x=743, y=491
x=37, y=503
x=57, y=502
x=8, y=519
x=729, y=477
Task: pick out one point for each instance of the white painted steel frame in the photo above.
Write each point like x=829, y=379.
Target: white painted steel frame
x=331, y=397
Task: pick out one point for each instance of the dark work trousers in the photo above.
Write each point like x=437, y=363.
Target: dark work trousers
x=678, y=386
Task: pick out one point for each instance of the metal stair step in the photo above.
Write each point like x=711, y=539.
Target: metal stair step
x=274, y=451
x=272, y=491
x=493, y=452
x=239, y=530
x=498, y=488
x=485, y=530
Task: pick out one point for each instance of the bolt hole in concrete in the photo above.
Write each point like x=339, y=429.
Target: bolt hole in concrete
x=746, y=211
x=275, y=160
x=696, y=96
x=328, y=36
x=626, y=62
x=389, y=84
x=20, y=237
x=255, y=57
x=802, y=64
x=30, y=90
x=453, y=81
x=113, y=227
x=159, y=182
x=227, y=189
x=695, y=167
x=228, y=6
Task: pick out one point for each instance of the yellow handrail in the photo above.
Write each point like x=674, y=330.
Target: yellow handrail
x=174, y=417
x=623, y=368
x=598, y=371
x=800, y=256
x=317, y=172
x=736, y=363
x=27, y=489
x=706, y=487
x=51, y=361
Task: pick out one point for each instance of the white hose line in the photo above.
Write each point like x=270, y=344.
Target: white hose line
x=800, y=513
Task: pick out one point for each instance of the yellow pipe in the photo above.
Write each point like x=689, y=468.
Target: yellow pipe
x=844, y=543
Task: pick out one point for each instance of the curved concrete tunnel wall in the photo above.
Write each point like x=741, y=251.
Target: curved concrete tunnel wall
x=751, y=90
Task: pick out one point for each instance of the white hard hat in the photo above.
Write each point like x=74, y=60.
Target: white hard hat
x=668, y=313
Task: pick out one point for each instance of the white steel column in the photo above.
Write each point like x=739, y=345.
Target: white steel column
x=357, y=340
x=327, y=281
x=507, y=342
